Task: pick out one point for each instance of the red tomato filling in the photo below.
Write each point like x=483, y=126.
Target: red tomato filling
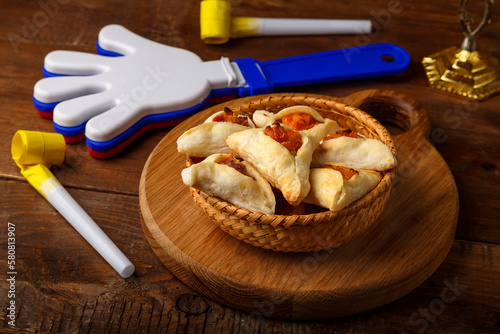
x=229, y=117
x=290, y=139
x=346, y=172
x=231, y=161
x=299, y=121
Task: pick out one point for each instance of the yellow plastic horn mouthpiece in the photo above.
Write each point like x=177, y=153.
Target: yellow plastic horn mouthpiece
x=35, y=147
x=215, y=21
x=34, y=152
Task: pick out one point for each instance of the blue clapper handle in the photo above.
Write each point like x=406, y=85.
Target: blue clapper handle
x=337, y=65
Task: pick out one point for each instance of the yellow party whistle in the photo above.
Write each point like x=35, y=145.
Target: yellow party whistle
x=34, y=152
x=217, y=25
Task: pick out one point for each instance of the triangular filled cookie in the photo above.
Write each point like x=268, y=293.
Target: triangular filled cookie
x=281, y=154
x=232, y=180
x=210, y=137
x=335, y=186
x=354, y=150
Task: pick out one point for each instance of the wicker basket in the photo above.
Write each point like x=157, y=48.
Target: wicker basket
x=307, y=232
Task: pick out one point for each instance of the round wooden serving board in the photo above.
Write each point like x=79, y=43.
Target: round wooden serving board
x=403, y=248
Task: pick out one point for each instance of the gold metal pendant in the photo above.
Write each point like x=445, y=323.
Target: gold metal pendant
x=465, y=71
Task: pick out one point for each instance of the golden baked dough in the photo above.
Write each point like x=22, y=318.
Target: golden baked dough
x=335, y=186
x=324, y=126
x=284, y=170
x=210, y=137
x=363, y=153
x=250, y=190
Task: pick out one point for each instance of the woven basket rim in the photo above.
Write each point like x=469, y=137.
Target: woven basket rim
x=323, y=104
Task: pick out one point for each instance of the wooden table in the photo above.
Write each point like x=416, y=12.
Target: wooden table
x=62, y=285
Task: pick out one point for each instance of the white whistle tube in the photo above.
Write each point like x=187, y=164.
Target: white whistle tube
x=85, y=225
x=275, y=27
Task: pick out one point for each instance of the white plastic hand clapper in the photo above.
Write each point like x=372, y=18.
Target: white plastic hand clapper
x=112, y=98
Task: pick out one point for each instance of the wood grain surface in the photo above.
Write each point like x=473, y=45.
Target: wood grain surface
x=403, y=248
x=63, y=286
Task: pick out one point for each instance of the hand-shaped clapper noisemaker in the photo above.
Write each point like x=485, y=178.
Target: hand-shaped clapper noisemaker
x=135, y=84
